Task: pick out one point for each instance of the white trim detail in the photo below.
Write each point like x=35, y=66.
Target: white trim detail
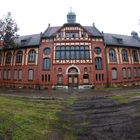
x=72, y=66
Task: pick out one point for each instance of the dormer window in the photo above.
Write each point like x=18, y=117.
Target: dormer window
x=23, y=42
x=119, y=40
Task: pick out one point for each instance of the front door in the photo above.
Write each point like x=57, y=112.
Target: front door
x=73, y=80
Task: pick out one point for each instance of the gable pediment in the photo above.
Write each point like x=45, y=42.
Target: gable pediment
x=72, y=31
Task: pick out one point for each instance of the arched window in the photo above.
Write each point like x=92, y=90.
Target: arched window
x=46, y=64
x=114, y=73
x=30, y=75
x=135, y=55
x=124, y=55
x=112, y=55
x=98, y=63
x=31, y=56
x=59, y=70
x=19, y=57
x=47, y=51
x=8, y=58
x=124, y=73
x=59, y=79
x=97, y=50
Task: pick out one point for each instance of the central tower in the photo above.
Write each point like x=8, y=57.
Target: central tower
x=71, y=17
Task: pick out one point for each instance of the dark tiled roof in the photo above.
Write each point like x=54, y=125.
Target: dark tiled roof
x=93, y=30
x=29, y=40
x=121, y=40
x=52, y=30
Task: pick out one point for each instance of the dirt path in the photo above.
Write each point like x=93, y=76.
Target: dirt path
x=101, y=118
x=94, y=115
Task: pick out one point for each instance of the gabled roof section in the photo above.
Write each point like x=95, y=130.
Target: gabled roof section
x=92, y=30
x=121, y=40
x=50, y=31
x=29, y=40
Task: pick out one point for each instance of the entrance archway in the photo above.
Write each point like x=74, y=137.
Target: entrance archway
x=72, y=77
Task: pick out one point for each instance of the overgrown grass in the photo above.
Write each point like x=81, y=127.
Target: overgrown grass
x=26, y=119
x=125, y=98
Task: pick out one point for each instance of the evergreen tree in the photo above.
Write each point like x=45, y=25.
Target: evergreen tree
x=8, y=31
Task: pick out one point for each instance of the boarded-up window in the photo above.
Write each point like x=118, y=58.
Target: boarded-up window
x=124, y=73
x=139, y=71
x=59, y=79
x=129, y=72
x=15, y=74
x=4, y=74
x=20, y=74
x=135, y=72
x=30, y=74
x=0, y=74
x=9, y=74
x=114, y=73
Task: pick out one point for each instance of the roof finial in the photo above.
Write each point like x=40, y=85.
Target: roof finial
x=71, y=9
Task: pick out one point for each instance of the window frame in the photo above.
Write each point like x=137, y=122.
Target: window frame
x=124, y=54
x=97, y=50
x=31, y=56
x=98, y=63
x=114, y=77
x=8, y=58
x=46, y=63
x=47, y=51
x=81, y=52
x=112, y=55
x=30, y=75
x=124, y=73
x=135, y=55
x=19, y=56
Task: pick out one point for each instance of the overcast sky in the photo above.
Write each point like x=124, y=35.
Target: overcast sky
x=110, y=16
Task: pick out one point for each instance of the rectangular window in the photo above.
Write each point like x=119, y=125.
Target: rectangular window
x=4, y=74
x=30, y=75
x=135, y=72
x=15, y=74
x=139, y=71
x=114, y=74
x=20, y=75
x=49, y=77
x=45, y=77
x=0, y=74
x=129, y=73
x=102, y=76
x=9, y=74
x=42, y=77
x=124, y=73
x=46, y=64
x=72, y=53
x=96, y=77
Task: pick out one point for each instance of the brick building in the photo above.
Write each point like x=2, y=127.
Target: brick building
x=71, y=55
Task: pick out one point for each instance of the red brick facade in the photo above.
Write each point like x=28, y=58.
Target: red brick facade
x=71, y=55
